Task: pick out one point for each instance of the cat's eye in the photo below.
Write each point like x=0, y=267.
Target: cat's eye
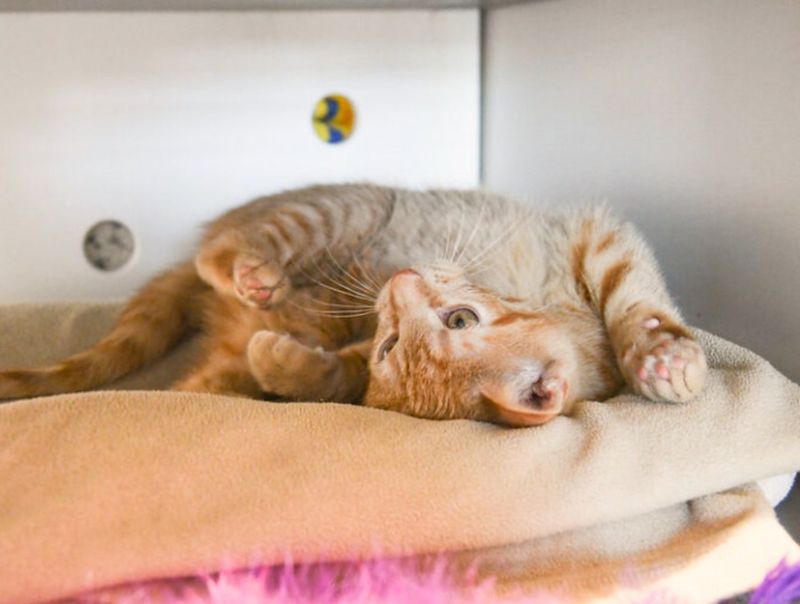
x=386, y=347
x=461, y=318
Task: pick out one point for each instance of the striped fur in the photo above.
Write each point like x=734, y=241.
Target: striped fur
x=166, y=307
x=289, y=290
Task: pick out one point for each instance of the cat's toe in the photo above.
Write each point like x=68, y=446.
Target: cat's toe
x=259, y=348
x=277, y=352
x=274, y=361
x=673, y=370
x=257, y=283
x=284, y=366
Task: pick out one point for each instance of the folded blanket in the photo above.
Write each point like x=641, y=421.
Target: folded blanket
x=103, y=488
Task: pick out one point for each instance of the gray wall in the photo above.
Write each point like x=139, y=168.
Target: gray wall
x=163, y=120
x=685, y=116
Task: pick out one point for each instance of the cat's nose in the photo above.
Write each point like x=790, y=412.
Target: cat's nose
x=406, y=274
x=405, y=285
x=405, y=271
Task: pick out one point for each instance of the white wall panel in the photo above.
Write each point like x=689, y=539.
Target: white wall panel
x=685, y=116
x=164, y=120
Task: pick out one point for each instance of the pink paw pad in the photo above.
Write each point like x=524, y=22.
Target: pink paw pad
x=651, y=323
x=673, y=370
x=255, y=282
x=658, y=363
x=662, y=371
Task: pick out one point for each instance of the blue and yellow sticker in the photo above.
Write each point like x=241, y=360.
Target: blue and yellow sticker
x=334, y=118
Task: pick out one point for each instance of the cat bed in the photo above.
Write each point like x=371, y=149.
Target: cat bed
x=118, y=487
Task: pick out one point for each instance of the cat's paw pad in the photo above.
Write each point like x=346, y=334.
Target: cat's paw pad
x=666, y=368
x=258, y=283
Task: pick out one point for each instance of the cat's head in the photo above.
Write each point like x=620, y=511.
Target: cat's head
x=447, y=348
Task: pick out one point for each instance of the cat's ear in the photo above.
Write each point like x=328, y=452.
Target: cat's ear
x=531, y=407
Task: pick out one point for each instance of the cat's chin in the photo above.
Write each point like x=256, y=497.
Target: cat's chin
x=521, y=418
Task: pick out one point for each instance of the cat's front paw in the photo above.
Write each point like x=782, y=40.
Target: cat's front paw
x=283, y=365
x=258, y=283
x=664, y=366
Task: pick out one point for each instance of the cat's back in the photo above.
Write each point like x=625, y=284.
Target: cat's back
x=502, y=243
x=449, y=223
x=519, y=249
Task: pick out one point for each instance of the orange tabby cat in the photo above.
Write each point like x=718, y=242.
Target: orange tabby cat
x=524, y=313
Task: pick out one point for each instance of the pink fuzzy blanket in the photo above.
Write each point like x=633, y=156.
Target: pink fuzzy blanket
x=386, y=582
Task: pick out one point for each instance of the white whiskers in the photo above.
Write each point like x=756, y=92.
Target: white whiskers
x=335, y=314
x=482, y=255
x=478, y=224
x=338, y=287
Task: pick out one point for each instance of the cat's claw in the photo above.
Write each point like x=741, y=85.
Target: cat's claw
x=674, y=369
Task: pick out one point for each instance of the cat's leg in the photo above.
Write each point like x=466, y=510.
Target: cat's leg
x=254, y=252
x=284, y=366
x=221, y=373
x=616, y=273
x=235, y=265
x=657, y=354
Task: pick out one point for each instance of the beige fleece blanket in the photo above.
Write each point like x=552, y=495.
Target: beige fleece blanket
x=104, y=488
